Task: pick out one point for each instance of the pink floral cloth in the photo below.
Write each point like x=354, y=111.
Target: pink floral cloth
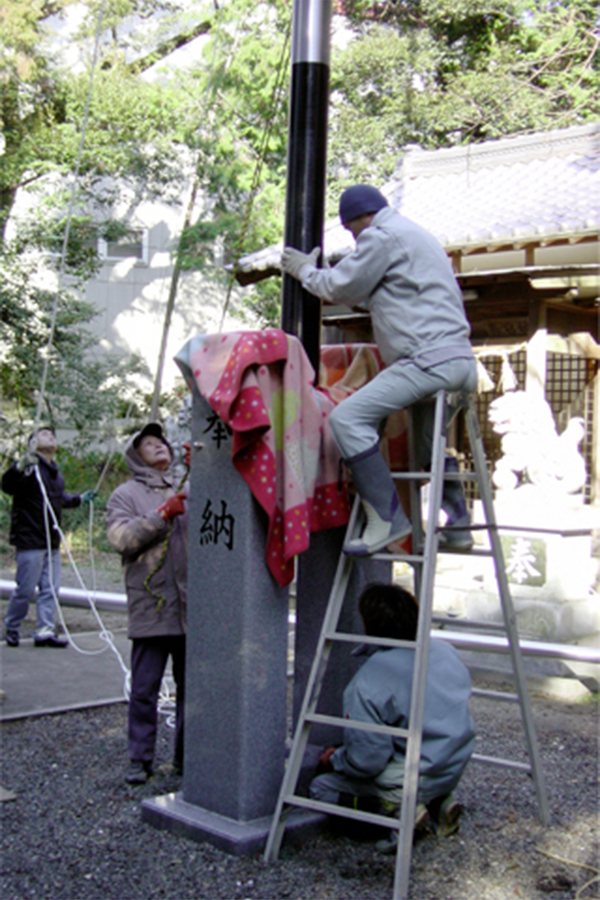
x=347, y=367
x=260, y=383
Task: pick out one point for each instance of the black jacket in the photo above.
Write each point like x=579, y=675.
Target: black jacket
x=27, y=521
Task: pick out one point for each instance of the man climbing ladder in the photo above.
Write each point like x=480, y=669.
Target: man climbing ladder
x=402, y=275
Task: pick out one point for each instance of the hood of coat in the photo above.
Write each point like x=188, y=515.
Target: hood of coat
x=141, y=472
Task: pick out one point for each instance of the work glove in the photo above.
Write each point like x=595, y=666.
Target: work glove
x=89, y=496
x=28, y=459
x=187, y=454
x=294, y=261
x=325, y=759
x=172, y=507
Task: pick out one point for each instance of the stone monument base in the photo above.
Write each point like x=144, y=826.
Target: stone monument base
x=170, y=812
x=556, y=621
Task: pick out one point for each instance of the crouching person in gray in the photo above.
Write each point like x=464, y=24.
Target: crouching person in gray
x=147, y=523
x=367, y=770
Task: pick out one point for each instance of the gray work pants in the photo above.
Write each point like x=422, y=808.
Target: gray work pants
x=355, y=421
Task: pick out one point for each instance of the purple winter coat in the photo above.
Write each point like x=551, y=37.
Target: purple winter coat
x=138, y=532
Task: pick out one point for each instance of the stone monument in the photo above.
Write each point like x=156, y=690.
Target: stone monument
x=539, y=484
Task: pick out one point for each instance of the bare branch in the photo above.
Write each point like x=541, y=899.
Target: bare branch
x=167, y=47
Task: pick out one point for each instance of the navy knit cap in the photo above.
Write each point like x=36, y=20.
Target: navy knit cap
x=359, y=200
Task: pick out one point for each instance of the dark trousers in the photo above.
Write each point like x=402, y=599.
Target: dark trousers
x=149, y=658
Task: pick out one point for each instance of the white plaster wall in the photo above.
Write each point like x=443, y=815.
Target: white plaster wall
x=131, y=295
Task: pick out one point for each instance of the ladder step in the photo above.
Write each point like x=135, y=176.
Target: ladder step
x=445, y=629
x=419, y=558
x=561, y=532
x=393, y=557
x=501, y=763
x=464, y=551
x=427, y=476
x=344, y=811
x=355, y=724
x=469, y=624
x=495, y=695
x=347, y=637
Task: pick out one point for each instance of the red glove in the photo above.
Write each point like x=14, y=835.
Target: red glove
x=325, y=757
x=172, y=507
x=187, y=450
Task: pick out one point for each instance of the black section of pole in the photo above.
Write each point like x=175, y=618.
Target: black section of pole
x=307, y=163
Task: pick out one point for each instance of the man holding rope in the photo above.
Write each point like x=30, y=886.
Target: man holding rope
x=35, y=535
x=146, y=522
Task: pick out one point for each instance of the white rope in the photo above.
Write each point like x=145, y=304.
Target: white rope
x=104, y=634
x=166, y=704
x=68, y=227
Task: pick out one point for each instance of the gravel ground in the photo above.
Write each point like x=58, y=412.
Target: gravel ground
x=74, y=830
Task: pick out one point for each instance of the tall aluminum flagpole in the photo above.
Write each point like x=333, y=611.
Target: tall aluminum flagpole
x=307, y=160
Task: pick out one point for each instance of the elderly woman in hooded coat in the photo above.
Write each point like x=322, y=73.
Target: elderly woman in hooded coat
x=147, y=523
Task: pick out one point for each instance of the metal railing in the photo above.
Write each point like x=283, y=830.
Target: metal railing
x=462, y=640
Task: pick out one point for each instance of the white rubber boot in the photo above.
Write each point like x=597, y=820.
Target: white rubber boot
x=378, y=533
x=386, y=520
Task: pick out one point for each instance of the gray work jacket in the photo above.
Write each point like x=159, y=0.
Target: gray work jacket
x=380, y=692
x=401, y=274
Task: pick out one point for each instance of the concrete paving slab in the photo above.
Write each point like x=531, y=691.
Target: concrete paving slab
x=37, y=681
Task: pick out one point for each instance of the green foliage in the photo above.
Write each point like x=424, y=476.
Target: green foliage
x=198, y=240
x=42, y=119
x=379, y=101
x=46, y=233
x=444, y=72
x=127, y=131
x=233, y=118
x=83, y=388
x=135, y=410
x=432, y=72
x=31, y=101
x=81, y=472
x=264, y=302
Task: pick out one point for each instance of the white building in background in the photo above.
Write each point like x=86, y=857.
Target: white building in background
x=131, y=288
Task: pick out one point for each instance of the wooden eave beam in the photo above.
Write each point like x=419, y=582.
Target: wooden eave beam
x=489, y=245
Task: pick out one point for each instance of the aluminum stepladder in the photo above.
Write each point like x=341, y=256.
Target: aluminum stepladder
x=424, y=564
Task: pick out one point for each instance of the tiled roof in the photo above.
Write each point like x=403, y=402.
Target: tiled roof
x=501, y=193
